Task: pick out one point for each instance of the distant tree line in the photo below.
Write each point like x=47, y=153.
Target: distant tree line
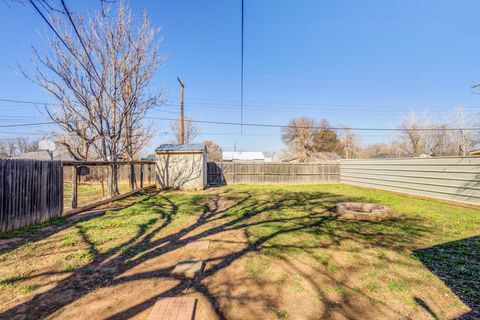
x=13, y=147
x=417, y=136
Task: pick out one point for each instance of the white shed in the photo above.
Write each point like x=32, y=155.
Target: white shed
x=181, y=166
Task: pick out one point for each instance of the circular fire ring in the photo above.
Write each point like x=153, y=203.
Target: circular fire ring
x=363, y=211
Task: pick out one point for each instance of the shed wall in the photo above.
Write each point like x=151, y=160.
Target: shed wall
x=184, y=171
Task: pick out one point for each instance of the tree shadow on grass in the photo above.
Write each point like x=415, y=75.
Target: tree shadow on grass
x=457, y=264
x=11, y=240
x=242, y=210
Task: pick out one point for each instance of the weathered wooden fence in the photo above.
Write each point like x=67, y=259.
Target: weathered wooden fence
x=272, y=173
x=31, y=191
x=447, y=178
x=91, y=178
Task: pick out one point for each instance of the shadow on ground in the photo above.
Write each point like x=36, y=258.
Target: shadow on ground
x=457, y=264
x=222, y=211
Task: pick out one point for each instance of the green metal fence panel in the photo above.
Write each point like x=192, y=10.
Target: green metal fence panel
x=448, y=178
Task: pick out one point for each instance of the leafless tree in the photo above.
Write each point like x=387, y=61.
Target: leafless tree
x=214, y=151
x=15, y=146
x=192, y=131
x=413, y=137
x=298, y=136
x=98, y=71
x=351, y=143
x=465, y=140
x=9, y=147
x=25, y=145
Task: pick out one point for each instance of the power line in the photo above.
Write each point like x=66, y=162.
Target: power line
x=315, y=127
x=28, y=102
x=25, y=124
x=264, y=105
x=63, y=41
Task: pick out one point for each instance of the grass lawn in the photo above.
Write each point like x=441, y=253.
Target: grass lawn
x=89, y=192
x=276, y=252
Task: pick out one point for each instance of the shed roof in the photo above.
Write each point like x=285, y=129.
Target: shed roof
x=192, y=147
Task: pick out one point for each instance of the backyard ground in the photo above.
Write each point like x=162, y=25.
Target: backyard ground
x=277, y=252
x=89, y=192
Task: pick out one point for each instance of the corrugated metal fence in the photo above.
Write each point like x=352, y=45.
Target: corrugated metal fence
x=31, y=191
x=272, y=173
x=447, y=178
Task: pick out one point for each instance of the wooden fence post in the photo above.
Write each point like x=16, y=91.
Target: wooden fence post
x=74, y=187
x=234, y=177
x=222, y=178
x=132, y=177
x=141, y=176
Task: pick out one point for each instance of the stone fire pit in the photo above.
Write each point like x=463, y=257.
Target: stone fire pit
x=363, y=211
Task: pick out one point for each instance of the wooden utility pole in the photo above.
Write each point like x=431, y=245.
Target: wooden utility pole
x=182, y=125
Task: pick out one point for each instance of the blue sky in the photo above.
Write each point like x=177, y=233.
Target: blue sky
x=356, y=63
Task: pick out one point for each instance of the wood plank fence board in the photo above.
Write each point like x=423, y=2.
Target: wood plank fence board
x=31, y=191
x=272, y=173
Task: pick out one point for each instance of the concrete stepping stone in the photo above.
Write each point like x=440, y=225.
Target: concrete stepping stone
x=198, y=245
x=189, y=268
x=175, y=308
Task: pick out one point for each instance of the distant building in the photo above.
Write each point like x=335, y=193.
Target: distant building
x=474, y=152
x=44, y=155
x=287, y=157
x=230, y=156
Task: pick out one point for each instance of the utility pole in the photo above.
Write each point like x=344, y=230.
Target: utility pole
x=182, y=125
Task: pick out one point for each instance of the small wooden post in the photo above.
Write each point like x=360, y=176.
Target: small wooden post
x=74, y=187
x=234, y=177
x=222, y=178
x=132, y=176
x=149, y=174
x=141, y=176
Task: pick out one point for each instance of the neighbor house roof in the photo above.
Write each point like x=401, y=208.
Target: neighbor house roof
x=181, y=148
x=44, y=155
x=242, y=156
x=475, y=152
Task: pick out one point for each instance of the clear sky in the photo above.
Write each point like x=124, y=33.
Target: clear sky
x=356, y=63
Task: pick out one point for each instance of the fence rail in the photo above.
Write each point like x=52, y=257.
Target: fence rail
x=219, y=173
x=131, y=176
x=448, y=178
x=31, y=191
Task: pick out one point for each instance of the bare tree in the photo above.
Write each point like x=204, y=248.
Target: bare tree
x=24, y=145
x=98, y=71
x=351, y=143
x=15, y=146
x=214, y=151
x=439, y=141
x=465, y=140
x=9, y=147
x=192, y=131
x=298, y=136
x=413, y=136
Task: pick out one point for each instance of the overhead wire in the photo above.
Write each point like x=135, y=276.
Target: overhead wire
x=266, y=125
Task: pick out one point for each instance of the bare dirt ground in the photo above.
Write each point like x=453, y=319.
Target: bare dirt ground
x=273, y=255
